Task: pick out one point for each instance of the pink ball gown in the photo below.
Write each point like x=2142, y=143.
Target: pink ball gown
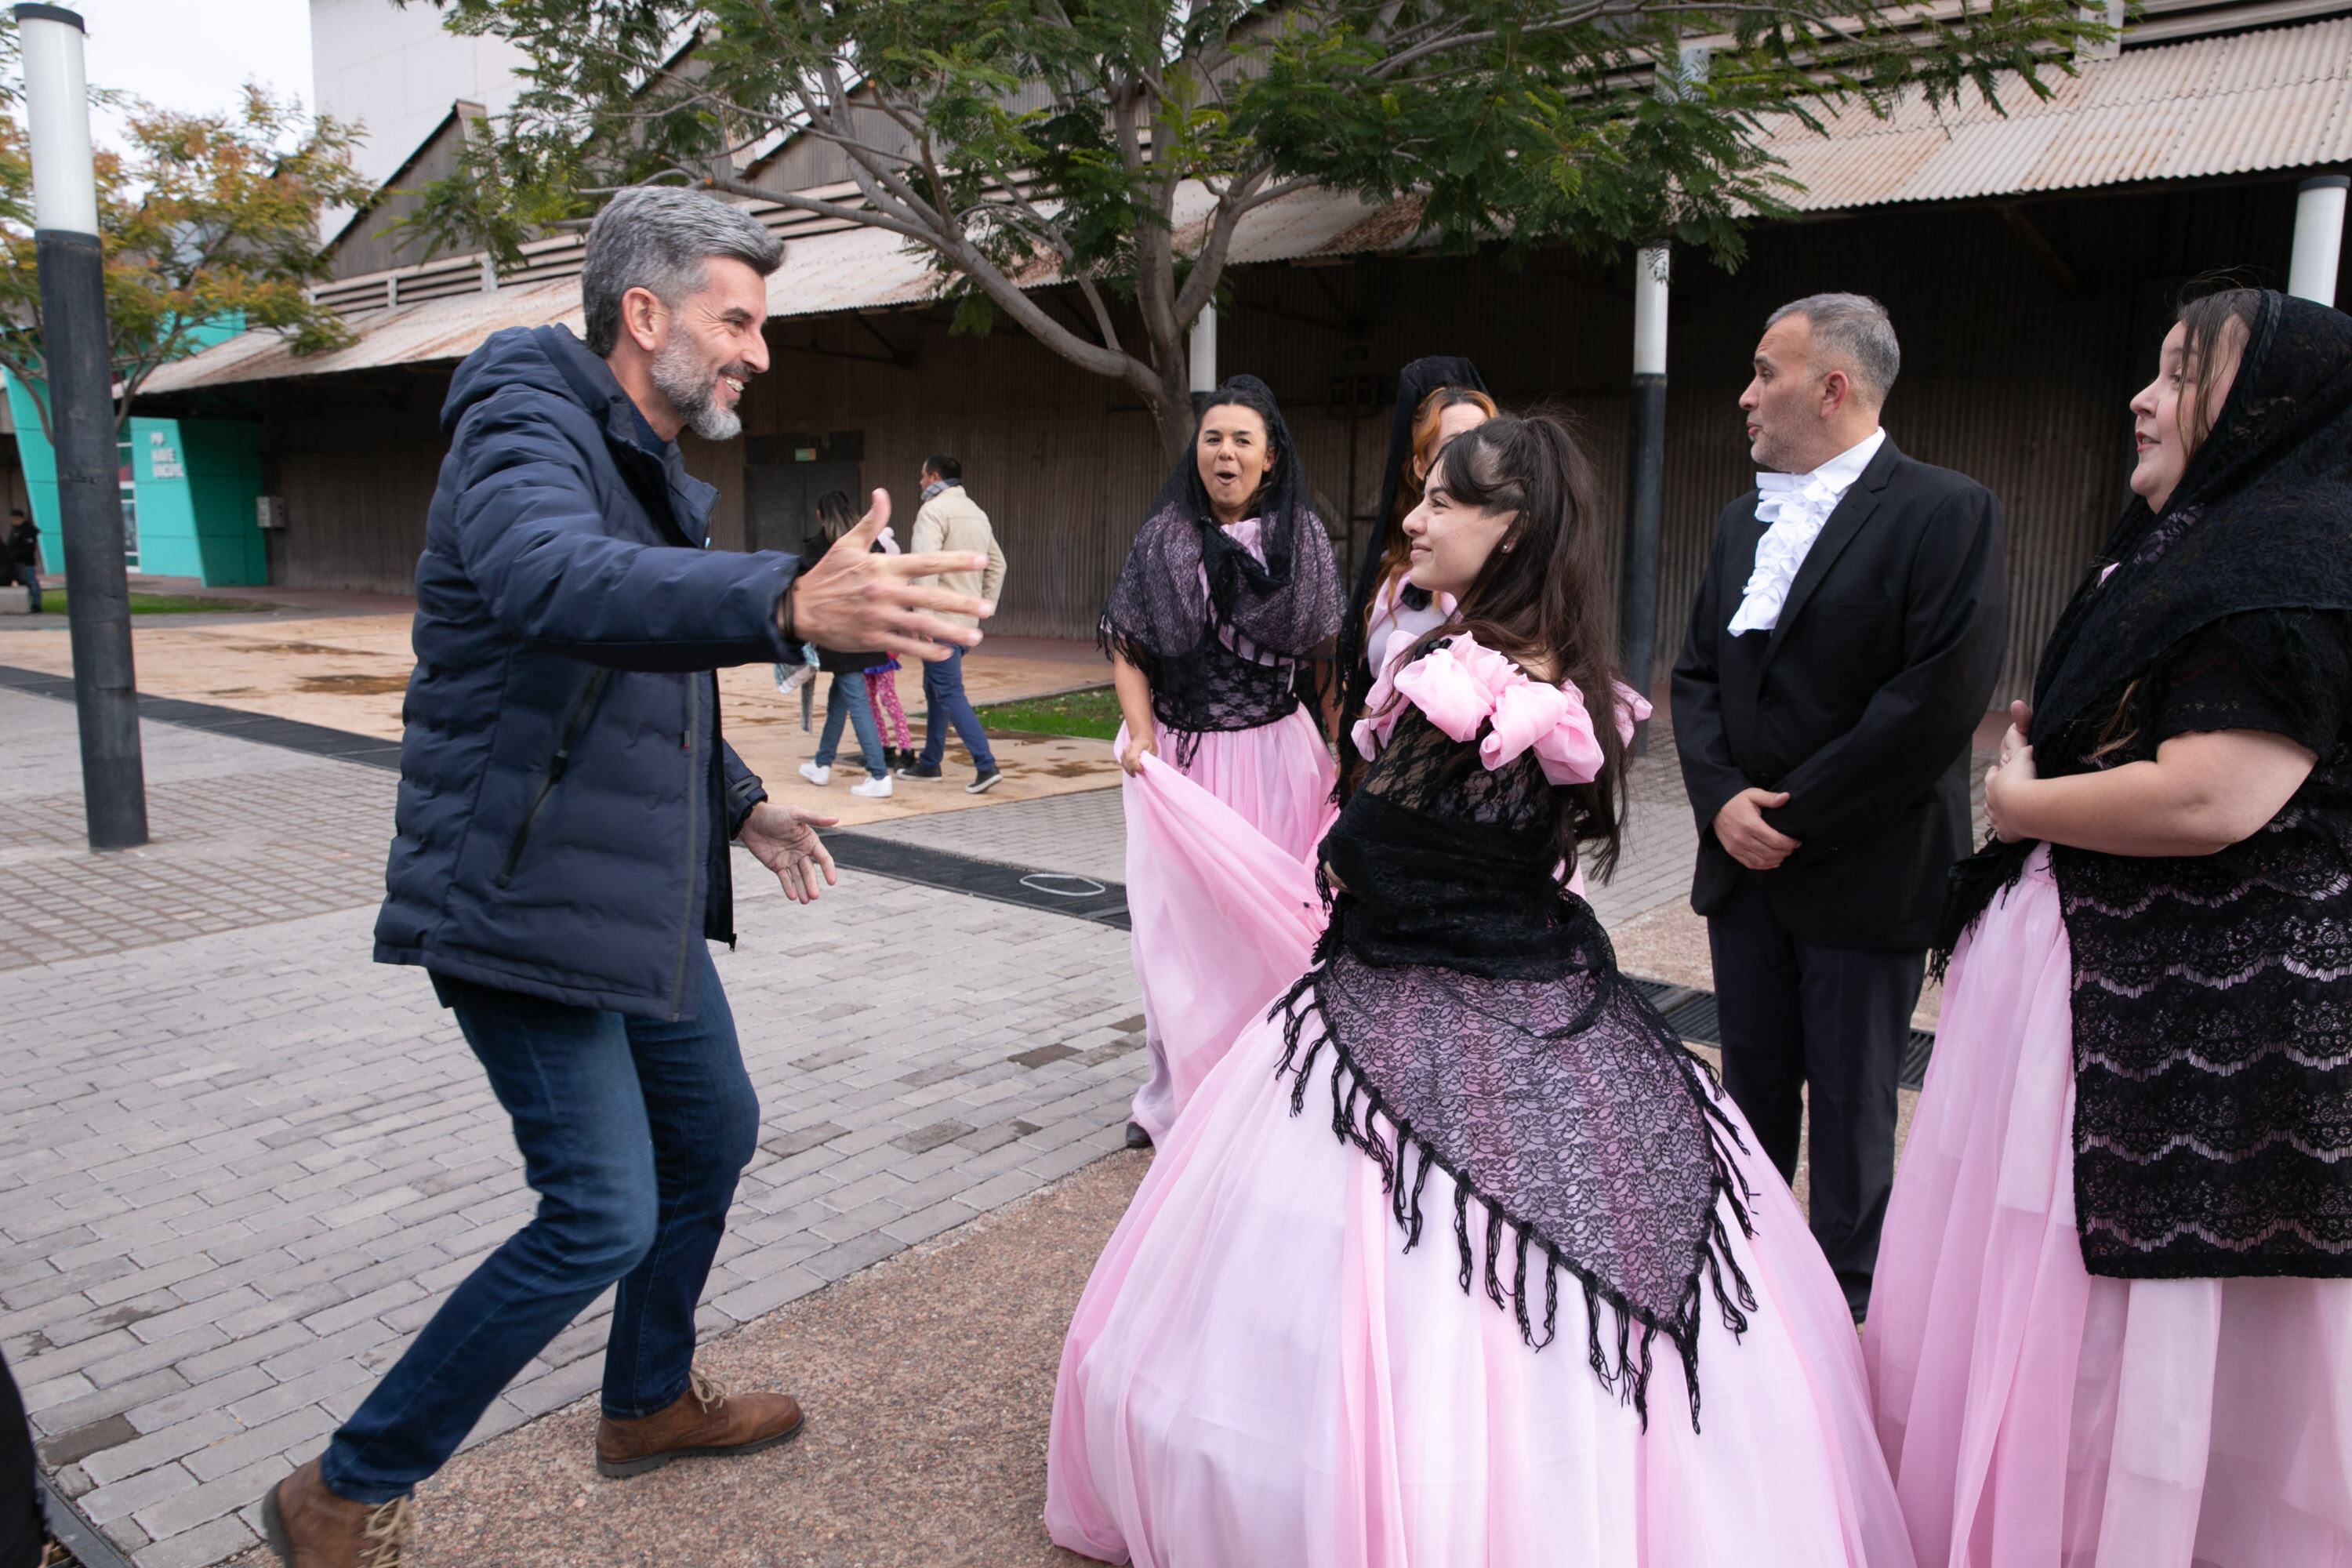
x=2037, y=1416
x=1312, y=1340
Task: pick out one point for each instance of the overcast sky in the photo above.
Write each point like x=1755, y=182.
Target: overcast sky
x=196, y=55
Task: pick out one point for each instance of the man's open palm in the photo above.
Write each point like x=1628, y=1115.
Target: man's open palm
x=856, y=600
x=784, y=838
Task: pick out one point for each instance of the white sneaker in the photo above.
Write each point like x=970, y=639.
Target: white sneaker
x=814, y=775
x=872, y=788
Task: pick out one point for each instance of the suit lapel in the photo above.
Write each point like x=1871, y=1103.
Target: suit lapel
x=1853, y=510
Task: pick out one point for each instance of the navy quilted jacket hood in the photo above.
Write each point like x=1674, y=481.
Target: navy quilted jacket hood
x=565, y=799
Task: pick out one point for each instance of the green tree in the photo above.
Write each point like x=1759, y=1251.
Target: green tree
x=205, y=218
x=1014, y=139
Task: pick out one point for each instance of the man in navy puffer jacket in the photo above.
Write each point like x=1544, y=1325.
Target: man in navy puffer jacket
x=562, y=858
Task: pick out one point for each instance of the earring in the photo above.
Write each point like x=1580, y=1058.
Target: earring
x=1507, y=550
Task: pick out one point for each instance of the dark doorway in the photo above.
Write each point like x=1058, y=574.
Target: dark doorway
x=782, y=476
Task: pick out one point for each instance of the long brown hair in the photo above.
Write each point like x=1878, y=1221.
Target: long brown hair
x=1544, y=600
x=1427, y=419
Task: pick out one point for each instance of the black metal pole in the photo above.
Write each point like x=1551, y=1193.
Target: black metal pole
x=80, y=376
x=1645, y=466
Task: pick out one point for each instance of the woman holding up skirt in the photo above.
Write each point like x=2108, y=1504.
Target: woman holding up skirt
x=2113, y=1322
x=1228, y=587
x=1456, y=1255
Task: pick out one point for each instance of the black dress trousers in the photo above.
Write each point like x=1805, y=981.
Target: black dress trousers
x=1831, y=1022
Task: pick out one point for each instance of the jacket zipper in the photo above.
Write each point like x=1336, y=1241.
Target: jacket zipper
x=573, y=725
x=694, y=787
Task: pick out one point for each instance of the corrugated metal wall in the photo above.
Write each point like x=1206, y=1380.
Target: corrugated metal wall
x=2016, y=371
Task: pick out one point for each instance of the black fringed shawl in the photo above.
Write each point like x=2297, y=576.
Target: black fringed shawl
x=2213, y=996
x=1416, y=382
x=1217, y=631
x=1478, y=1024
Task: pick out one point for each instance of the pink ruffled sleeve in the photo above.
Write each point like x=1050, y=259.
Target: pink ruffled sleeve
x=1462, y=686
x=1448, y=688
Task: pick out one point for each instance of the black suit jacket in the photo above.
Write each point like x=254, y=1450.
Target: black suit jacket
x=1860, y=703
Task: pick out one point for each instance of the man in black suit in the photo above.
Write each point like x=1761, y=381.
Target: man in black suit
x=1841, y=650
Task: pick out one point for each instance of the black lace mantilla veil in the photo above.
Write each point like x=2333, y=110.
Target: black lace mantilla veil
x=1416, y=382
x=1476, y=1022
x=1226, y=657
x=2211, y=995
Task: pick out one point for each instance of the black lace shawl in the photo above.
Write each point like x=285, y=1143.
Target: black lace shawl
x=2213, y=996
x=1478, y=1023
x=1217, y=631
x=1416, y=382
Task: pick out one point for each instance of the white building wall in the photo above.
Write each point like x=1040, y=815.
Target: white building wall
x=397, y=70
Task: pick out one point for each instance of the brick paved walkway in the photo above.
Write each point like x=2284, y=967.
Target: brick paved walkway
x=242, y=835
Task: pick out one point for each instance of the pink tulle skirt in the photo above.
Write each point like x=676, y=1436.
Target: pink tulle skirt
x=1239, y=821
x=1259, y=1376
x=2035, y=1416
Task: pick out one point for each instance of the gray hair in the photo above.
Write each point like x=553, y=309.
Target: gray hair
x=1854, y=333
x=658, y=237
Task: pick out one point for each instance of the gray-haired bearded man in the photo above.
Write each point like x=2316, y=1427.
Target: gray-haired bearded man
x=561, y=853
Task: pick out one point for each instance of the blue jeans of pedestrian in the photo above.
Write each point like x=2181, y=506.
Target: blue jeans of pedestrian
x=944, y=703
x=633, y=1133
x=847, y=699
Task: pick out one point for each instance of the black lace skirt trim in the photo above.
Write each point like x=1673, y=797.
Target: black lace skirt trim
x=1620, y=1353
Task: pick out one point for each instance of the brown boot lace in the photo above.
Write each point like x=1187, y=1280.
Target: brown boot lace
x=386, y=1535
x=708, y=1391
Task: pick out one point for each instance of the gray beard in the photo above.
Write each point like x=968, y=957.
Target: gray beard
x=681, y=376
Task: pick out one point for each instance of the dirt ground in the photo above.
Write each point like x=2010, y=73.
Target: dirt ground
x=928, y=1381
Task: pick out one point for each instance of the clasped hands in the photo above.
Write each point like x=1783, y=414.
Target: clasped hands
x=2012, y=768
x=1744, y=833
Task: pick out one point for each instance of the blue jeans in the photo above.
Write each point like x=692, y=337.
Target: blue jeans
x=633, y=1133
x=847, y=699
x=944, y=703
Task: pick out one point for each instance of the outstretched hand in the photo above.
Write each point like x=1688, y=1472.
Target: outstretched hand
x=857, y=598
x=784, y=839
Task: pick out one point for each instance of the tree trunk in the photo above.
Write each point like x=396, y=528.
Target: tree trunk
x=1171, y=410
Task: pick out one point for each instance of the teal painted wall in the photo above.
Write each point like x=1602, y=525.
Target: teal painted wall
x=193, y=486
x=40, y=466
x=204, y=476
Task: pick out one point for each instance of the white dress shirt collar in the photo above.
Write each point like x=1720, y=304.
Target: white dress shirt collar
x=1794, y=506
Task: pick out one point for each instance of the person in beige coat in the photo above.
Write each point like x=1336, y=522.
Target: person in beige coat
x=950, y=521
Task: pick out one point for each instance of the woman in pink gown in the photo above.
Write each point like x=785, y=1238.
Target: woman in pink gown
x=1456, y=1256
x=1228, y=588
x=1438, y=398
x=2112, y=1322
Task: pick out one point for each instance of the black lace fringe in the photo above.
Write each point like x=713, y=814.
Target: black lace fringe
x=1622, y=1367
x=1969, y=889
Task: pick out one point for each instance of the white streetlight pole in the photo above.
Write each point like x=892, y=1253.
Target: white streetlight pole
x=81, y=375
x=2318, y=238
x=1203, y=354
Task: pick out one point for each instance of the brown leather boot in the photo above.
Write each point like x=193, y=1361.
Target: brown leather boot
x=310, y=1527
x=706, y=1419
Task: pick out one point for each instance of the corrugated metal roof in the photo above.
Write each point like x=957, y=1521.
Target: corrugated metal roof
x=2239, y=105
x=2243, y=104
